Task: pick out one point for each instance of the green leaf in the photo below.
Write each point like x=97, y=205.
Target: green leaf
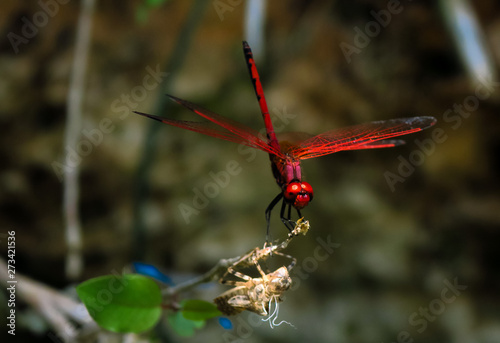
x=128, y=303
x=199, y=309
x=182, y=326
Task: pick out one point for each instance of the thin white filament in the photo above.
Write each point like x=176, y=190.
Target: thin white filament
x=274, y=314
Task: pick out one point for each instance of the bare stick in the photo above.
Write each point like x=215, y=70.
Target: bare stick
x=213, y=274
x=74, y=262
x=58, y=309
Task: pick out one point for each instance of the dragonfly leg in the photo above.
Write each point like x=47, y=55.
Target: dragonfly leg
x=268, y=214
x=287, y=221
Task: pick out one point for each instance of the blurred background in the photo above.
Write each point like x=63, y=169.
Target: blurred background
x=417, y=225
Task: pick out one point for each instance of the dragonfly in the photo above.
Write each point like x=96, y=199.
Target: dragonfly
x=287, y=150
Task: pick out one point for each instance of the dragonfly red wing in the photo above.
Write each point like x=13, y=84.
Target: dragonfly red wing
x=388, y=143
x=365, y=136
x=218, y=126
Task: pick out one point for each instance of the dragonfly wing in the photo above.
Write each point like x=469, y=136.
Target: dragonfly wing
x=217, y=127
x=387, y=143
x=248, y=136
x=364, y=136
x=204, y=128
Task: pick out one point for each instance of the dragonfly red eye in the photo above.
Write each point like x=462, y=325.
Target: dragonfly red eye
x=299, y=194
x=306, y=187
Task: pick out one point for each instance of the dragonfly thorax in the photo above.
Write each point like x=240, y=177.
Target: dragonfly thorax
x=285, y=169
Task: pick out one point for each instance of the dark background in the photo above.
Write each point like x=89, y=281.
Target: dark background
x=398, y=246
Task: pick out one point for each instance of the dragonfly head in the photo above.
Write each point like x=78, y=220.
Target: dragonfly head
x=299, y=194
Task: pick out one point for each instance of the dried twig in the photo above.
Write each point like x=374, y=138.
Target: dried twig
x=57, y=309
x=74, y=262
x=213, y=274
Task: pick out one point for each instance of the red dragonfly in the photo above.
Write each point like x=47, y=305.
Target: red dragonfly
x=286, y=153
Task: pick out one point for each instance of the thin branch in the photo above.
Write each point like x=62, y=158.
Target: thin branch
x=213, y=274
x=57, y=309
x=74, y=264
